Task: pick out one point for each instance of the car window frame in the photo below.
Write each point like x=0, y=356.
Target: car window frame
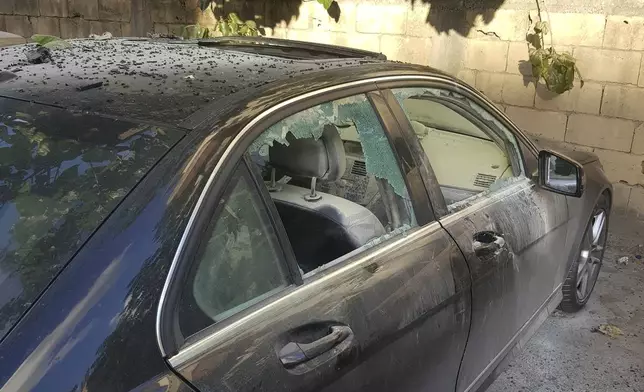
x=433, y=187
x=169, y=338
x=287, y=259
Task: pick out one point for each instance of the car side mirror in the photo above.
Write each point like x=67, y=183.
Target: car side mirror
x=560, y=174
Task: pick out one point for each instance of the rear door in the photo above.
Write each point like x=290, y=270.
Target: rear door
x=238, y=314
x=511, y=232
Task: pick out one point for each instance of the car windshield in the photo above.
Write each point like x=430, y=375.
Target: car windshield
x=61, y=174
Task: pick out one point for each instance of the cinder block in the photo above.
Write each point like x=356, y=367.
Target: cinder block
x=490, y=84
x=518, y=59
x=176, y=29
x=518, y=90
x=468, y=76
x=346, y=22
x=126, y=29
x=53, y=8
x=161, y=11
x=607, y=133
x=636, y=202
x=621, y=194
x=74, y=28
x=608, y=65
x=96, y=27
x=547, y=125
x=47, y=26
x=624, y=32
x=359, y=41
x=417, y=21
x=8, y=39
x=277, y=32
x=638, y=140
x=448, y=52
x=19, y=25
x=585, y=99
x=323, y=37
x=304, y=19
x=576, y=29
x=486, y=55
x=26, y=7
x=384, y=19
x=160, y=28
x=193, y=10
x=6, y=7
x=621, y=166
x=623, y=101
x=117, y=10
x=408, y=49
x=86, y=9
x=506, y=25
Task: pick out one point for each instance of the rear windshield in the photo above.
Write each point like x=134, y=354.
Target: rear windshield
x=61, y=174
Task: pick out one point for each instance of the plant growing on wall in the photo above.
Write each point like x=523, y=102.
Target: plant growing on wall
x=556, y=69
x=231, y=25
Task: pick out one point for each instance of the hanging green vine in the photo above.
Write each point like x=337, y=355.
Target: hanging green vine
x=231, y=25
x=556, y=69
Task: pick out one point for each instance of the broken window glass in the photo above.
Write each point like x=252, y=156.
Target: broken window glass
x=355, y=112
x=360, y=198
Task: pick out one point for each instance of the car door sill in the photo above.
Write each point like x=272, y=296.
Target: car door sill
x=519, y=339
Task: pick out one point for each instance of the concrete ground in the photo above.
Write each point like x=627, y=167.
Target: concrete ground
x=568, y=354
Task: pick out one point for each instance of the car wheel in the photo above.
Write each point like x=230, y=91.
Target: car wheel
x=582, y=276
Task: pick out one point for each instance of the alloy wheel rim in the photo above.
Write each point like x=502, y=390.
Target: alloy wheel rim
x=591, y=254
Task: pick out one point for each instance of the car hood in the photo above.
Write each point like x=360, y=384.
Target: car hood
x=582, y=157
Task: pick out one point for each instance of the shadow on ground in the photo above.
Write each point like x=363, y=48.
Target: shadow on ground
x=566, y=355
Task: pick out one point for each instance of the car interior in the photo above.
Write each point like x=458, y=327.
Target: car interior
x=466, y=161
x=329, y=201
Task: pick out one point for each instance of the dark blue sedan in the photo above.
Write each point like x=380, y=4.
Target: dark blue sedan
x=266, y=215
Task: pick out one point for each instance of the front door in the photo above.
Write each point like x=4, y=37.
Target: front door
x=319, y=266
x=506, y=226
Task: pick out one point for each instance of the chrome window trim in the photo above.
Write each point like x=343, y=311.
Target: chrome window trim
x=203, y=345
x=242, y=134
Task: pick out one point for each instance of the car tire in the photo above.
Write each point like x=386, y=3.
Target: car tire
x=583, y=274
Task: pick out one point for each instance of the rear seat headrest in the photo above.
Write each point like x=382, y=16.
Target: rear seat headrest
x=323, y=158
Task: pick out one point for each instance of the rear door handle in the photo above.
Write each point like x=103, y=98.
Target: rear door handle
x=293, y=353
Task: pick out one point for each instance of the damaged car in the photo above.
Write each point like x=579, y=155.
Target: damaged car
x=251, y=214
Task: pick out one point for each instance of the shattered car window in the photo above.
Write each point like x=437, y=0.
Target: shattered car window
x=356, y=111
x=470, y=151
x=335, y=180
x=61, y=174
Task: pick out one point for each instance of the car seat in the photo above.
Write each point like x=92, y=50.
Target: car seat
x=321, y=227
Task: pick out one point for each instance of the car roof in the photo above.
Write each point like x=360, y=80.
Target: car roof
x=154, y=80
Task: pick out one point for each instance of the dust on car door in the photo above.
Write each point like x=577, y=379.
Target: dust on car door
x=510, y=230
x=248, y=307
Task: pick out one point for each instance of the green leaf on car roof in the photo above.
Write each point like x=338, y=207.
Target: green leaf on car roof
x=50, y=41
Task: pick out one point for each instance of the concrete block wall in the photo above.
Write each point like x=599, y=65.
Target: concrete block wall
x=606, y=116
x=80, y=18
x=480, y=41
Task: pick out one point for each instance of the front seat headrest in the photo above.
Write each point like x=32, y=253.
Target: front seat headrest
x=322, y=158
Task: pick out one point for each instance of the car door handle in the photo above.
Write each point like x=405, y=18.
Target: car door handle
x=293, y=353
x=488, y=244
